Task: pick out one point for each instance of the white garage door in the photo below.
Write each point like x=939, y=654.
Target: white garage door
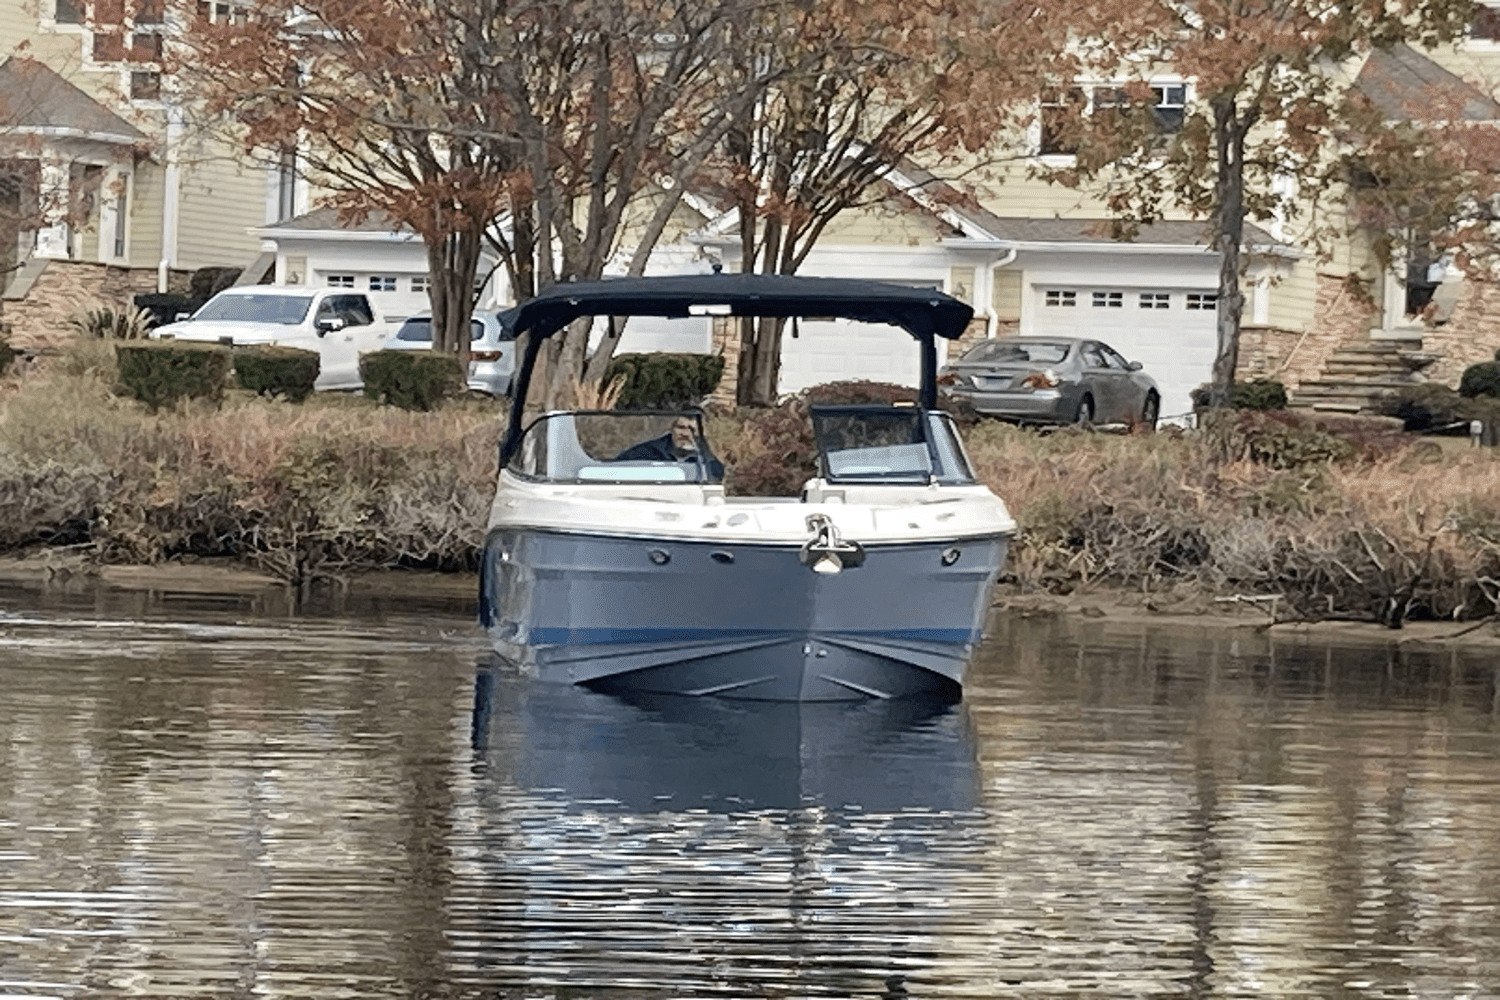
x=1171, y=331
x=841, y=350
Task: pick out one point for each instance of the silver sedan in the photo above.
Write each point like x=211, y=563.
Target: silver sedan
x=1053, y=380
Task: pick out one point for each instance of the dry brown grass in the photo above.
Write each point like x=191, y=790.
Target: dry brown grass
x=335, y=484
x=1386, y=530
x=1414, y=531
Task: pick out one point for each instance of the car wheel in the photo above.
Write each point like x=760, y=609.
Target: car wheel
x=1150, y=411
x=1085, y=411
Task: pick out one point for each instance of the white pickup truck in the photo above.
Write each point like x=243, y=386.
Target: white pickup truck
x=338, y=324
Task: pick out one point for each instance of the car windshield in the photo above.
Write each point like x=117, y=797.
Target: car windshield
x=1005, y=352
x=418, y=330
x=288, y=310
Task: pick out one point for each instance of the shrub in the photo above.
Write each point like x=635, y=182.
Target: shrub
x=664, y=381
x=1257, y=394
x=108, y=323
x=1482, y=379
x=412, y=380
x=1435, y=408
x=1279, y=441
x=774, y=453
x=277, y=371
x=159, y=373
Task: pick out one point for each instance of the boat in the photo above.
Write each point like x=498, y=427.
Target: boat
x=614, y=559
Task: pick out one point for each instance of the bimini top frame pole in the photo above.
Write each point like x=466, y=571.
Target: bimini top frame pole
x=923, y=312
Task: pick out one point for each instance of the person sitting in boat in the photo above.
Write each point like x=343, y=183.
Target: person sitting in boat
x=680, y=444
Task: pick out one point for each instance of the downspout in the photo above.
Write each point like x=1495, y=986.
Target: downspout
x=171, y=192
x=992, y=321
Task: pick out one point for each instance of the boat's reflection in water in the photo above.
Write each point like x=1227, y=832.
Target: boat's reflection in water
x=650, y=753
x=696, y=845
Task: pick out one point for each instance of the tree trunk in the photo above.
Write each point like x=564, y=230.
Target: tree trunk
x=1229, y=135
x=452, y=262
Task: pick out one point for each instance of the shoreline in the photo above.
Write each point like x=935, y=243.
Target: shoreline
x=49, y=568
x=1194, y=609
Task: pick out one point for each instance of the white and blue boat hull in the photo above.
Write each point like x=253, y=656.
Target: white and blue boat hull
x=735, y=618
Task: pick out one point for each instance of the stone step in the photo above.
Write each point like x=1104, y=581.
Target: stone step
x=1369, y=380
x=1346, y=388
x=1340, y=371
x=1383, y=346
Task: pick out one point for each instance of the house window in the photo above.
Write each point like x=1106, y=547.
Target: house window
x=1109, y=300
x=146, y=46
x=68, y=11
x=382, y=283
x=1170, y=106
x=1486, y=24
x=1156, y=300
x=1056, y=297
x=148, y=12
x=1202, y=300
x=109, y=12
x=286, y=185
x=145, y=85
x=419, y=284
x=1061, y=111
x=120, y=220
x=218, y=12
x=109, y=46
x=341, y=281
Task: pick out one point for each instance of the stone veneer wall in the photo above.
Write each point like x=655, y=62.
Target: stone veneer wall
x=977, y=330
x=1471, y=335
x=66, y=288
x=1291, y=357
x=726, y=342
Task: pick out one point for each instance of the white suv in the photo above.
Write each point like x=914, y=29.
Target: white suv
x=492, y=348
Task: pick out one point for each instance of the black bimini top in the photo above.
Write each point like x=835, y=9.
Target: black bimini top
x=923, y=312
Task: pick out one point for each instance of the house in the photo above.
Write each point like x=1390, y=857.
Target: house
x=375, y=254
x=107, y=187
x=1038, y=258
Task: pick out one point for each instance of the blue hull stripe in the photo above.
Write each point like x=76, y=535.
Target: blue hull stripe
x=553, y=636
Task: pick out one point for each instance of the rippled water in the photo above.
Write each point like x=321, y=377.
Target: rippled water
x=212, y=797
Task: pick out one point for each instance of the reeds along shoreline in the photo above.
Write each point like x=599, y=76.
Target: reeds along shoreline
x=1337, y=523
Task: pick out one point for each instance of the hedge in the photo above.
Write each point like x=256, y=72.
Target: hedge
x=161, y=372
x=412, y=380
x=662, y=381
x=268, y=370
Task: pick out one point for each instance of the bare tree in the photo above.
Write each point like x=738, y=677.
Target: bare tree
x=863, y=88
x=1278, y=121
x=533, y=125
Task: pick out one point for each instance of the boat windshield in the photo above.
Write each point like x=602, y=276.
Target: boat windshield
x=617, y=447
x=287, y=310
x=888, y=444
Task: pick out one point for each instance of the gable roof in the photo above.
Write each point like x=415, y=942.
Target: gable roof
x=320, y=220
x=1404, y=85
x=1037, y=232
x=36, y=100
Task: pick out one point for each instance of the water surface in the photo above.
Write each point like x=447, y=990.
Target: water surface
x=212, y=796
